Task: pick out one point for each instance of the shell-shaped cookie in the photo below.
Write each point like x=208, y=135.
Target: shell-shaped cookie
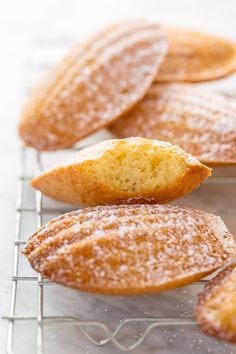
x=130, y=249
x=201, y=122
x=216, y=308
x=131, y=170
x=195, y=57
x=95, y=84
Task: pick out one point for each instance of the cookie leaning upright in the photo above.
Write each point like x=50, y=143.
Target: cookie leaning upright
x=95, y=84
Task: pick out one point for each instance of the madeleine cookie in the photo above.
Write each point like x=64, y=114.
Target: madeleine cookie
x=131, y=170
x=195, y=56
x=201, y=122
x=95, y=84
x=216, y=308
x=130, y=249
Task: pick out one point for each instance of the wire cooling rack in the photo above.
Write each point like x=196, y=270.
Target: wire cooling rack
x=31, y=319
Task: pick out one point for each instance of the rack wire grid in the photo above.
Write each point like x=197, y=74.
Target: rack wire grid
x=46, y=318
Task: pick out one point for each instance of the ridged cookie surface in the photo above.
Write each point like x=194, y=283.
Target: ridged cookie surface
x=95, y=84
x=201, y=122
x=131, y=170
x=130, y=249
x=195, y=56
x=216, y=308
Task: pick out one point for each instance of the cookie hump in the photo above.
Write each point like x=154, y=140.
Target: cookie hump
x=130, y=249
x=196, y=57
x=97, y=82
x=128, y=170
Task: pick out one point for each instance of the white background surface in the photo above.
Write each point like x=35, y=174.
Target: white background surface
x=23, y=20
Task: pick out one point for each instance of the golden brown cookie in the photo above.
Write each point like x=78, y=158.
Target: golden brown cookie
x=195, y=56
x=216, y=308
x=132, y=170
x=201, y=122
x=95, y=84
x=130, y=249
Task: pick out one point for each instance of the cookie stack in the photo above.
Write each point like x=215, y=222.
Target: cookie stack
x=124, y=243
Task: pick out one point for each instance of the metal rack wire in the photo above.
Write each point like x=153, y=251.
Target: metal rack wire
x=40, y=319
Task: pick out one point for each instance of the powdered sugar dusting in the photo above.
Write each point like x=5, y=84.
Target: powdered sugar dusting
x=105, y=81
x=216, y=307
x=133, y=248
x=201, y=122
